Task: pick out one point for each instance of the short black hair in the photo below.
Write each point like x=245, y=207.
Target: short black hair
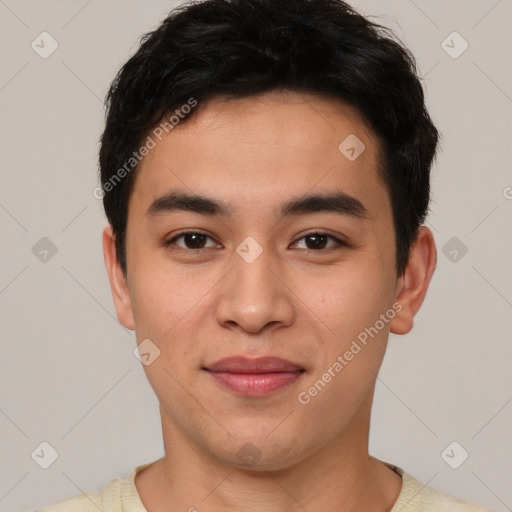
x=240, y=48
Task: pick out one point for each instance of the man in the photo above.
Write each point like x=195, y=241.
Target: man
x=265, y=173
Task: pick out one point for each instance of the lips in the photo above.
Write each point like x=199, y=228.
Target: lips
x=254, y=377
x=258, y=365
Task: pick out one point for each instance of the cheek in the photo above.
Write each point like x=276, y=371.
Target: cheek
x=163, y=297
x=169, y=308
x=350, y=353
x=347, y=299
x=349, y=357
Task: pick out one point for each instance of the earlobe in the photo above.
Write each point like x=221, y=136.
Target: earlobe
x=117, y=280
x=413, y=284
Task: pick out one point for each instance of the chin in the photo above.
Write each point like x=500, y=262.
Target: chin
x=257, y=453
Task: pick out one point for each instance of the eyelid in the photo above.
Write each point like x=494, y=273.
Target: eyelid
x=189, y=232
x=338, y=240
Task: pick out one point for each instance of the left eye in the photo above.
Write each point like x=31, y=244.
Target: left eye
x=318, y=241
x=194, y=241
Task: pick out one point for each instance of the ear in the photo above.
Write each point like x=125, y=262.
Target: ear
x=117, y=280
x=413, y=284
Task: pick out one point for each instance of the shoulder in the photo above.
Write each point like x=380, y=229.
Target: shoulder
x=416, y=497
x=118, y=495
x=109, y=498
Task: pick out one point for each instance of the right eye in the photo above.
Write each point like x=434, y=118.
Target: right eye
x=193, y=240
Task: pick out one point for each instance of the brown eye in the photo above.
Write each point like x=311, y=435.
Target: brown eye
x=192, y=240
x=318, y=241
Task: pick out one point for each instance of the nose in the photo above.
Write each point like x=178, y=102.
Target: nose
x=254, y=296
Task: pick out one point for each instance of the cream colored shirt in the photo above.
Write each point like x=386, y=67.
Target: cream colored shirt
x=120, y=495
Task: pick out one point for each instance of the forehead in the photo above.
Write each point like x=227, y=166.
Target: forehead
x=250, y=152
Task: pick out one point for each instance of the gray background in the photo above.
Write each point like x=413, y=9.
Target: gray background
x=68, y=375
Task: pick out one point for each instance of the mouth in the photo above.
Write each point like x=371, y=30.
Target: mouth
x=254, y=377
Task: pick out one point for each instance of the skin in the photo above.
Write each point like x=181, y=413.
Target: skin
x=303, y=304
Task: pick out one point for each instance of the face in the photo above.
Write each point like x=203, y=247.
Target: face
x=261, y=268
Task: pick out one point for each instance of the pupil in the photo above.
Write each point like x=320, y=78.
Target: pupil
x=320, y=240
x=195, y=237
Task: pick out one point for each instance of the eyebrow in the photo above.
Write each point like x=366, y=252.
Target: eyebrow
x=336, y=202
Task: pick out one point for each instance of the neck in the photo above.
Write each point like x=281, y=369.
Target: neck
x=341, y=476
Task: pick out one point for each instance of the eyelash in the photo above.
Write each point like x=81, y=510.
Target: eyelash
x=339, y=243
